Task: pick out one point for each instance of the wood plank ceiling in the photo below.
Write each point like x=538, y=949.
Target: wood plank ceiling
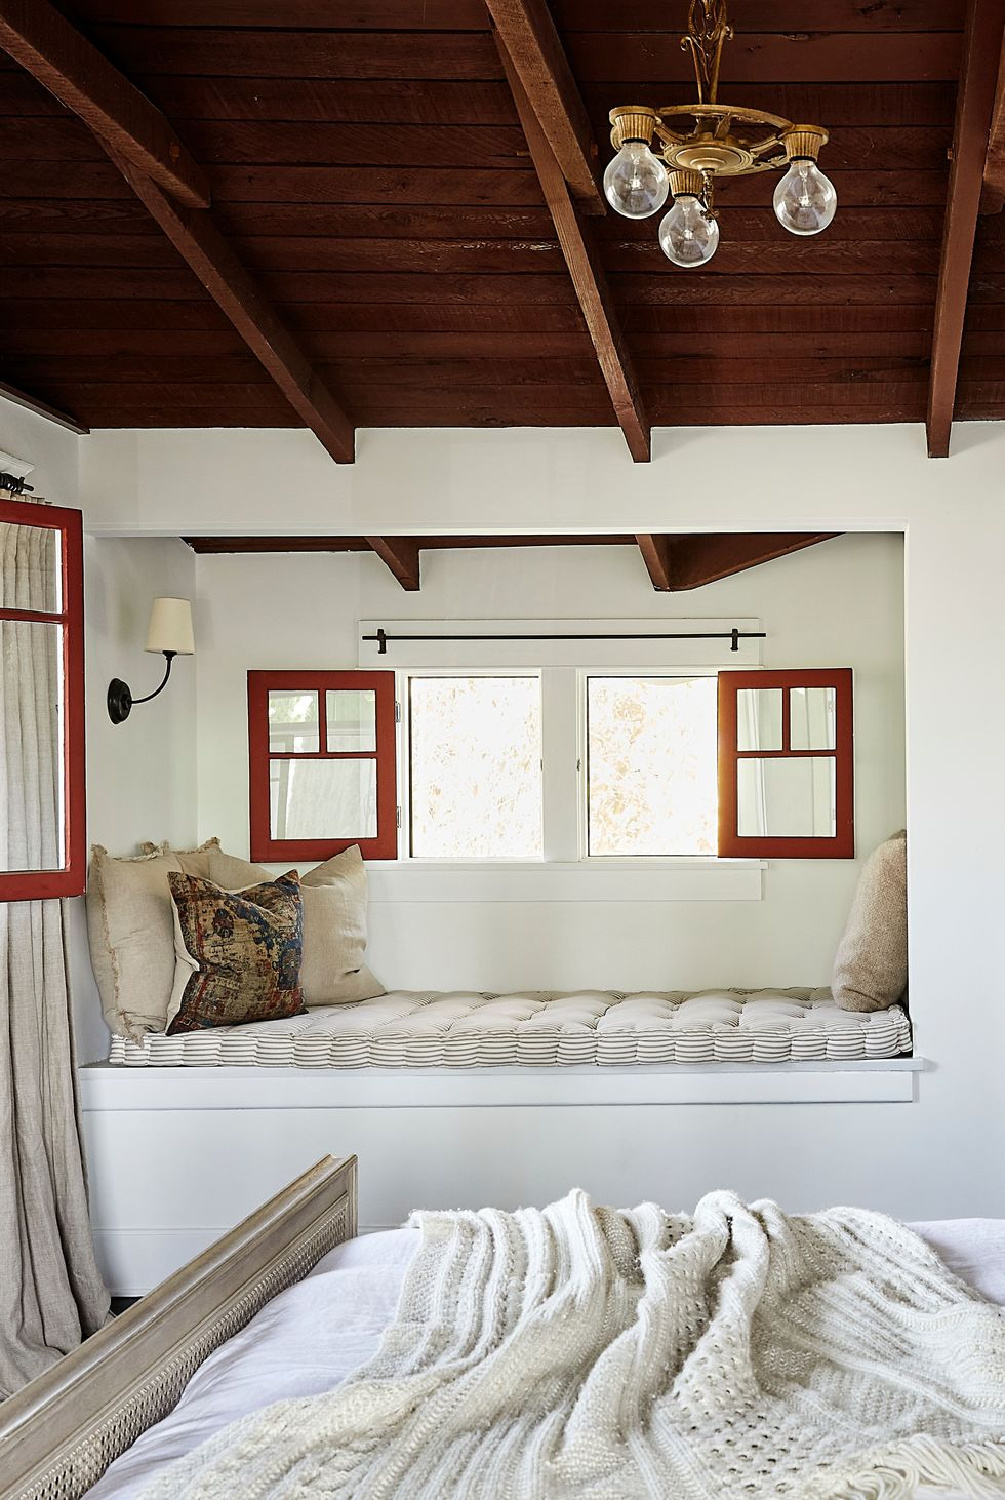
x=367, y=166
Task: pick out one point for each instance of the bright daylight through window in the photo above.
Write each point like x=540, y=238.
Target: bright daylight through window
x=475, y=767
x=652, y=749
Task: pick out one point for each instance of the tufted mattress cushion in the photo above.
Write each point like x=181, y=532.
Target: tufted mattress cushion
x=423, y=1029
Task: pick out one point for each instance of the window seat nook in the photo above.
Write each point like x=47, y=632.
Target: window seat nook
x=464, y=1029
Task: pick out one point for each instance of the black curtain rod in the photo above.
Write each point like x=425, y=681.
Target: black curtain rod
x=734, y=637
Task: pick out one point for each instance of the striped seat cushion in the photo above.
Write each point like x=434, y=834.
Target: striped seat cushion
x=546, y=1028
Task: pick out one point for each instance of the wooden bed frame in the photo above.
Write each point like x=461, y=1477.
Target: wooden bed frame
x=60, y=1433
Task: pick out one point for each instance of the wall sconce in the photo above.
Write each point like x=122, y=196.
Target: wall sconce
x=170, y=635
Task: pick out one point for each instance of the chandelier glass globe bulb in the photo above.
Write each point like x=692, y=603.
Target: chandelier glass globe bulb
x=636, y=182
x=688, y=236
x=805, y=200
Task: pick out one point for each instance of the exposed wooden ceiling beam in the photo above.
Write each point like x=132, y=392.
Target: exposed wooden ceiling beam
x=587, y=274
x=54, y=52
x=42, y=409
x=993, y=184
x=236, y=293
x=982, y=46
x=677, y=563
x=402, y=557
x=656, y=556
x=213, y=545
x=535, y=50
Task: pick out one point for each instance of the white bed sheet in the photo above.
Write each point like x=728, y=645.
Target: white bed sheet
x=314, y=1335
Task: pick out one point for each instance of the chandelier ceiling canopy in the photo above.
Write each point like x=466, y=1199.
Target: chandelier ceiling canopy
x=679, y=150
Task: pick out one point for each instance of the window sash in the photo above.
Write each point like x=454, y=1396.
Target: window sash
x=840, y=844
x=270, y=850
x=70, y=878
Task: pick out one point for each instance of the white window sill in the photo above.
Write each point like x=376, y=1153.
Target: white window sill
x=608, y=880
x=105, y=1088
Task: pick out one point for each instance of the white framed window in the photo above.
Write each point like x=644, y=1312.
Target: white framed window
x=648, y=767
x=471, y=761
x=562, y=764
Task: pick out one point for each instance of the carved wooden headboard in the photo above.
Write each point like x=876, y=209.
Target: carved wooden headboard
x=60, y=1433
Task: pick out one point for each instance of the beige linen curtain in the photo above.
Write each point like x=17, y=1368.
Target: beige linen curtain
x=51, y=1294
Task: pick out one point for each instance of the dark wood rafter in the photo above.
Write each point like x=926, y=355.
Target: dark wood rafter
x=993, y=182
x=401, y=554
x=214, y=545
x=37, y=36
x=369, y=170
x=982, y=46
x=536, y=55
x=42, y=409
x=588, y=278
x=238, y=295
x=677, y=563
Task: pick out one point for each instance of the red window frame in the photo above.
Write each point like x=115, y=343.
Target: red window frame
x=264, y=847
x=70, y=879
x=840, y=845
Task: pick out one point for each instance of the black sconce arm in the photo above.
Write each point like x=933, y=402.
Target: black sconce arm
x=121, y=700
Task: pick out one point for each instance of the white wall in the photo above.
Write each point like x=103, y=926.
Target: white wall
x=302, y=610
x=938, y=1156
x=142, y=773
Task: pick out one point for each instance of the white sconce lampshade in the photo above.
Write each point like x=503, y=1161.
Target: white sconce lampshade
x=171, y=627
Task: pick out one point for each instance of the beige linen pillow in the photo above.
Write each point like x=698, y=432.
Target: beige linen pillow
x=870, y=969
x=192, y=861
x=335, y=898
x=130, y=932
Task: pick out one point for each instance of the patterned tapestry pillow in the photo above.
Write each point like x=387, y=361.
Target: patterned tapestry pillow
x=237, y=954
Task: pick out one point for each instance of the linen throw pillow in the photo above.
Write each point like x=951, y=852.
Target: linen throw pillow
x=129, y=933
x=870, y=968
x=238, y=954
x=335, y=902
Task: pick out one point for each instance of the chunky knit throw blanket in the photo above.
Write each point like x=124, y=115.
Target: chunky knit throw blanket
x=585, y=1354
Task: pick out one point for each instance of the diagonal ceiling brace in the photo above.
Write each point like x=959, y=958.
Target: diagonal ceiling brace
x=401, y=554
x=677, y=563
x=536, y=56
x=982, y=46
x=48, y=47
x=237, y=293
x=141, y=143
x=587, y=274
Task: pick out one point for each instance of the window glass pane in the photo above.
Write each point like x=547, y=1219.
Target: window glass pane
x=813, y=718
x=31, y=568
x=759, y=719
x=652, y=752
x=32, y=763
x=475, y=760
x=786, y=798
x=323, y=799
x=351, y=720
x=293, y=722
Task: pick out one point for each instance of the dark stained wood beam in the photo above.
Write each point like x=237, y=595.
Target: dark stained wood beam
x=982, y=46
x=45, y=44
x=238, y=295
x=214, y=545
x=677, y=563
x=656, y=556
x=42, y=409
x=993, y=183
x=536, y=55
x=401, y=554
x=588, y=279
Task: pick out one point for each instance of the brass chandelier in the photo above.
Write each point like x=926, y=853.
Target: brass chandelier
x=697, y=143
